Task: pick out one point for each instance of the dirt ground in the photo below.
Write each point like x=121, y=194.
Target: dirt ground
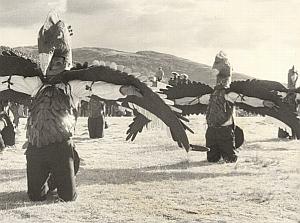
x=152, y=180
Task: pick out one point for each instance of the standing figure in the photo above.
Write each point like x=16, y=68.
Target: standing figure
x=14, y=108
x=220, y=136
x=52, y=161
x=96, y=121
x=291, y=100
x=159, y=74
x=174, y=80
x=184, y=79
x=7, y=131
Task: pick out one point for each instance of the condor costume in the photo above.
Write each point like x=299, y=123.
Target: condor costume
x=220, y=137
x=256, y=96
x=52, y=91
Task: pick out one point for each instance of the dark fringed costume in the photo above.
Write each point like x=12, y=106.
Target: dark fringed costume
x=219, y=116
x=96, y=122
x=7, y=135
x=291, y=102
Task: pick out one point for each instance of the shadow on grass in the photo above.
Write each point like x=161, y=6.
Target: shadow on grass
x=78, y=139
x=175, y=172
x=180, y=165
x=269, y=140
x=19, y=199
x=12, y=175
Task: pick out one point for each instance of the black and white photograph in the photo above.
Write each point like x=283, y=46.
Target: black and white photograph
x=170, y=111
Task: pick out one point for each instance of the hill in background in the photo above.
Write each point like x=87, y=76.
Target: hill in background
x=145, y=62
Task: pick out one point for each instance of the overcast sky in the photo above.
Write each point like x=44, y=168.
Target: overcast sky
x=261, y=37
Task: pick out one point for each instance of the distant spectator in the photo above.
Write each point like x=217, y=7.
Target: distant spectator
x=159, y=74
x=127, y=70
x=95, y=63
x=84, y=109
x=109, y=108
x=77, y=66
x=85, y=64
x=174, y=80
x=120, y=67
x=101, y=63
x=113, y=65
x=153, y=81
x=14, y=108
x=184, y=79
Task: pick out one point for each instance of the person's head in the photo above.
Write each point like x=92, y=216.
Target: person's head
x=184, y=76
x=54, y=45
x=56, y=66
x=96, y=63
x=223, y=69
x=175, y=75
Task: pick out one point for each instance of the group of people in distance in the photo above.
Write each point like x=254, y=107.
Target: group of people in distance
x=174, y=80
x=179, y=79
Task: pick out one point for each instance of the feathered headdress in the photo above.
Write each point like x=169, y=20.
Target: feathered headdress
x=224, y=68
x=54, y=40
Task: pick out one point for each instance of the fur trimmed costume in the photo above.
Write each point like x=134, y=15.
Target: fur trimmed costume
x=222, y=135
x=219, y=135
x=220, y=132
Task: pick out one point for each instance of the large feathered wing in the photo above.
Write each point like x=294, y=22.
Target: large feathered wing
x=13, y=62
x=139, y=122
x=150, y=101
x=187, y=97
x=271, y=91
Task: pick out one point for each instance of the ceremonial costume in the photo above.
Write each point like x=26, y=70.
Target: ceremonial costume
x=218, y=105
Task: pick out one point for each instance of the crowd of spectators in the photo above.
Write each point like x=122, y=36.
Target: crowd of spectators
x=177, y=79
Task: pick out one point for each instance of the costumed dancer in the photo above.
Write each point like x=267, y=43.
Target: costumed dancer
x=7, y=130
x=96, y=122
x=220, y=136
x=51, y=152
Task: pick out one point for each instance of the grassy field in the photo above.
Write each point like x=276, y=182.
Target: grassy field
x=152, y=180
